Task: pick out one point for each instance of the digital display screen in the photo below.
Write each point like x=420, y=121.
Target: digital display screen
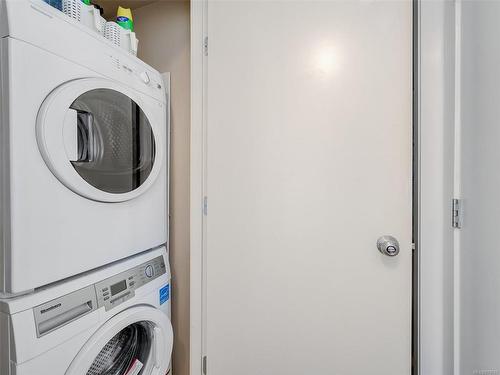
x=118, y=287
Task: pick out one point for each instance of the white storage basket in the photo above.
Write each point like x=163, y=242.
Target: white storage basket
x=87, y=15
x=123, y=38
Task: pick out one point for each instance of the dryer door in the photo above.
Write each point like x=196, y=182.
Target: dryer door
x=100, y=139
x=137, y=341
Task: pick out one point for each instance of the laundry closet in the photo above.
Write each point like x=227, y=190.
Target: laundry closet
x=283, y=117
x=163, y=30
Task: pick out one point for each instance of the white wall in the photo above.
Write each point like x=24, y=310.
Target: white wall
x=480, y=184
x=163, y=29
x=436, y=132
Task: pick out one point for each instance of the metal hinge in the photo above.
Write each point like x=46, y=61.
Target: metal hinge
x=205, y=46
x=456, y=213
x=204, y=365
x=205, y=206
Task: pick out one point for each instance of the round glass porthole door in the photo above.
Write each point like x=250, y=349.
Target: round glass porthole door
x=136, y=341
x=102, y=140
x=115, y=149
x=127, y=352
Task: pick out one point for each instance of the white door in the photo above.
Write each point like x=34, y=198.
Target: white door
x=309, y=138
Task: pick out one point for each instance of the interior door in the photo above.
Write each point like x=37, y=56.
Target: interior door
x=309, y=139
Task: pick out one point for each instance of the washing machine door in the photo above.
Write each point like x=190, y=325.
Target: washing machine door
x=137, y=341
x=101, y=139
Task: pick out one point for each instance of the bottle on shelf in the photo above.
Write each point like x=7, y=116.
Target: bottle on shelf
x=124, y=18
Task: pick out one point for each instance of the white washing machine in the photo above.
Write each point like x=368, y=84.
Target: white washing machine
x=83, y=149
x=115, y=321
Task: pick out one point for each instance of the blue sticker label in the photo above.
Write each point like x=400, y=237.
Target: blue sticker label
x=164, y=294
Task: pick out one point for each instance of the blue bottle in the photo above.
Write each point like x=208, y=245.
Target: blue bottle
x=55, y=3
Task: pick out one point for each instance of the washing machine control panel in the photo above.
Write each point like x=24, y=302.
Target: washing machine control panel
x=119, y=288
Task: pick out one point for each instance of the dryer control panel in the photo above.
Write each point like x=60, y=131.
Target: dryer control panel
x=117, y=289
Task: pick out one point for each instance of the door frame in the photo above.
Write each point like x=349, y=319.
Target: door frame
x=199, y=15
x=432, y=340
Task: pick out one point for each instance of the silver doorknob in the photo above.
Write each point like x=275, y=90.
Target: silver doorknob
x=388, y=245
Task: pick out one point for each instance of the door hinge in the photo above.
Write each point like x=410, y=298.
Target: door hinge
x=204, y=365
x=205, y=46
x=456, y=213
x=205, y=206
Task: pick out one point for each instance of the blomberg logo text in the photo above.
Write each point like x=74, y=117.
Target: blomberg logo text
x=43, y=311
x=485, y=372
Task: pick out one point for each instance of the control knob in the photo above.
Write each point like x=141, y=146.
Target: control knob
x=149, y=271
x=145, y=77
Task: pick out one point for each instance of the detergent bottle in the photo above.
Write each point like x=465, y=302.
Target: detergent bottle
x=124, y=18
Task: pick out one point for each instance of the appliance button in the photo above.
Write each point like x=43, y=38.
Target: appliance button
x=149, y=271
x=106, y=298
x=145, y=77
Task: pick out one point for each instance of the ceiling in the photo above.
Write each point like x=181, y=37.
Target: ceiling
x=110, y=6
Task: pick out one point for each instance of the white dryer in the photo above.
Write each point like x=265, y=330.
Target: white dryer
x=115, y=321
x=83, y=149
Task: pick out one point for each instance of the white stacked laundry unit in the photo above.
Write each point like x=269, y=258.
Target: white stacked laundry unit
x=83, y=153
